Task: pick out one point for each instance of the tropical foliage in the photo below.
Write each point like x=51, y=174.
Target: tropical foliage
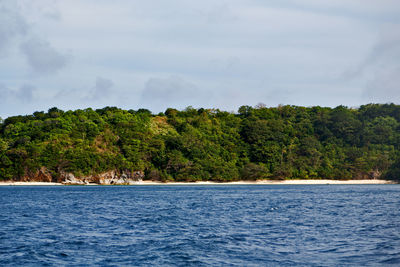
x=285, y=142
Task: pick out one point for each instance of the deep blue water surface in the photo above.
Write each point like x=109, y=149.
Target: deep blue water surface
x=321, y=225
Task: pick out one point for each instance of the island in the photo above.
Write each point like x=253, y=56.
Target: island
x=114, y=146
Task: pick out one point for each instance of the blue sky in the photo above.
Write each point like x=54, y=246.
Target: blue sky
x=213, y=54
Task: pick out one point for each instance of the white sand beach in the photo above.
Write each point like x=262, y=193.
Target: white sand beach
x=28, y=183
x=259, y=182
x=274, y=182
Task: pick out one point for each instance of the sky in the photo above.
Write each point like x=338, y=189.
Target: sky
x=76, y=54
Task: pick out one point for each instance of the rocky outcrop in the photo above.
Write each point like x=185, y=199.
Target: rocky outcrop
x=107, y=178
x=41, y=175
x=113, y=178
x=375, y=174
x=69, y=178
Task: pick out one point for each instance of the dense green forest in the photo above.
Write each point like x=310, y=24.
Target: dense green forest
x=284, y=142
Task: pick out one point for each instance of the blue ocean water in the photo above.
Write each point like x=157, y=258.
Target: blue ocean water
x=260, y=225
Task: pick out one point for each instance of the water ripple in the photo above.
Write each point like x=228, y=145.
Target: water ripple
x=200, y=226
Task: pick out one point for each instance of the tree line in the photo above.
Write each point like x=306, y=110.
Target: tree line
x=284, y=142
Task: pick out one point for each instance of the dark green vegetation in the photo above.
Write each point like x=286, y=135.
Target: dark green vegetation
x=199, y=144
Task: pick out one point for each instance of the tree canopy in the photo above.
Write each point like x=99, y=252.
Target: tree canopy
x=284, y=142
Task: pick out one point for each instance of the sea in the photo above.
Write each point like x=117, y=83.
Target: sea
x=208, y=225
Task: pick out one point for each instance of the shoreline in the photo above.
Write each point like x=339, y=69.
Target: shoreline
x=259, y=182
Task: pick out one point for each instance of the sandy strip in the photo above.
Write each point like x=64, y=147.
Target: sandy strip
x=311, y=182
x=260, y=182
x=29, y=183
x=275, y=182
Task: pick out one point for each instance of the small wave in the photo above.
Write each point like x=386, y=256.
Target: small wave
x=244, y=226
x=394, y=260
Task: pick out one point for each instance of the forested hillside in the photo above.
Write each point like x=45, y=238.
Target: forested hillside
x=284, y=142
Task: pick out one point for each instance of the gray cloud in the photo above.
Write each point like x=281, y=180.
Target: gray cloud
x=101, y=89
x=100, y=92
x=173, y=91
x=276, y=96
x=240, y=52
x=384, y=87
x=18, y=21
x=4, y=93
x=42, y=57
x=220, y=13
x=23, y=94
x=12, y=24
x=385, y=51
x=381, y=69
x=48, y=9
